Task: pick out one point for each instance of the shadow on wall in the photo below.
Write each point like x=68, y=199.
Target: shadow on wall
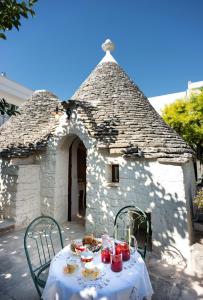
x=8, y=189
x=140, y=187
x=170, y=278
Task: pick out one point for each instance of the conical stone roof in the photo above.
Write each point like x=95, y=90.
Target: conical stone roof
x=112, y=108
x=28, y=132
x=123, y=120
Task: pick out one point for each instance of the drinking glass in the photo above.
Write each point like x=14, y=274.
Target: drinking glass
x=105, y=255
x=116, y=262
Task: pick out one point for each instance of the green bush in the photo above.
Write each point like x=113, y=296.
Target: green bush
x=198, y=200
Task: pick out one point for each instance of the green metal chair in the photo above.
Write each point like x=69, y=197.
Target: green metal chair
x=42, y=241
x=132, y=224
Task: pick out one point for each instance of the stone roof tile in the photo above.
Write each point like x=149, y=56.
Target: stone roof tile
x=112, y=108
x=28, y=132
x=120, y=113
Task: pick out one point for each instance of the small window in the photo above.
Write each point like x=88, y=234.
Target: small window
x=115, y=173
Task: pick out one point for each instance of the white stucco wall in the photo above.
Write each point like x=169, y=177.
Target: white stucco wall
x=13, y=92
x=47, y=163
x=8, y=189
x=159, y=102
x=154, y=187
x=164, y=190
x=28, y=194
x=61, y=184
x=161, y=189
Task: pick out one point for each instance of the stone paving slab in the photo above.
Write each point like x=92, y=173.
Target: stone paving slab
x=15, y=280
x=170, y=282
x=6, y=226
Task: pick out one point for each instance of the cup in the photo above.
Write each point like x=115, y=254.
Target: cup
x=71, y=262
x=116, y=262
x=86, y=257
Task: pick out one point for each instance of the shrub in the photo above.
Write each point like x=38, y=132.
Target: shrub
x=198, y=199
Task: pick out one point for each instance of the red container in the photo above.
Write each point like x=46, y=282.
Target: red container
x=124, y=249
x=105, y=255
x=80, y=248
x=116, y=262
x=86, y=257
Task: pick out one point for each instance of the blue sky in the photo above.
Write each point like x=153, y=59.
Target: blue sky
x=158, y=43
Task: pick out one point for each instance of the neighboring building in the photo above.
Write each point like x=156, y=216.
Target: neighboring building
x=110, y=149
x=159, y=102
x=13, y=93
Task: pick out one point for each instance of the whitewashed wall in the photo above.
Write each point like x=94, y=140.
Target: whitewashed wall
x=47, y=179
x=154, y=187
x=164, y=190
x=28, y=194
x=8, y=189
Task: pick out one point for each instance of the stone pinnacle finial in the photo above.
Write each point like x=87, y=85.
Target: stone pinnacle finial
x=108, y=46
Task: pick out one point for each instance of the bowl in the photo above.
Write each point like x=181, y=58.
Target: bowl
x=86, y=256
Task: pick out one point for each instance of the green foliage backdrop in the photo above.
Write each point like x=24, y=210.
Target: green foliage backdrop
x=186, y=117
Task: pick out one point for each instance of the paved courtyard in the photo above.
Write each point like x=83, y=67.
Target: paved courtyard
x=170, y=281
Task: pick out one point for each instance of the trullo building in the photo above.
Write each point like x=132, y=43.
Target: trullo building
x=108, y=149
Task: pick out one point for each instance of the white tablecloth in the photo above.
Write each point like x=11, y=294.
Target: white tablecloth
x=131, y=283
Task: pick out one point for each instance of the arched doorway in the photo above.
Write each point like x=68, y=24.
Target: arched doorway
x=81, y=170
x=77, y=180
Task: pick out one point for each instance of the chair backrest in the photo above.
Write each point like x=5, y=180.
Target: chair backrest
x=42, y=241
x=134, y=220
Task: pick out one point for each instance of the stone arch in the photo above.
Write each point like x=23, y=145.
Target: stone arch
x=66, y=144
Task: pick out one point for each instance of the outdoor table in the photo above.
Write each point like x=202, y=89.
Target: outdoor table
x=131, y=283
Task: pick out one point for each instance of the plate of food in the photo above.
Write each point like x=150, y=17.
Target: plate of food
x=91, y=243
x=70, y=268
x=87, y=243
x=77, y=247
x=91, y=271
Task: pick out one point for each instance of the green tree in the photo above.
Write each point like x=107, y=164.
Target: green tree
x=186, y=117
x=7, y=108
x=11, y=12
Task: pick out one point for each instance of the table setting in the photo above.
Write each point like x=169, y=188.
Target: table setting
x=98, y=268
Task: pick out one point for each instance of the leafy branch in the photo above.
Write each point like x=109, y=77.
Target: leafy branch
x=7, y=108
x=11, y=12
